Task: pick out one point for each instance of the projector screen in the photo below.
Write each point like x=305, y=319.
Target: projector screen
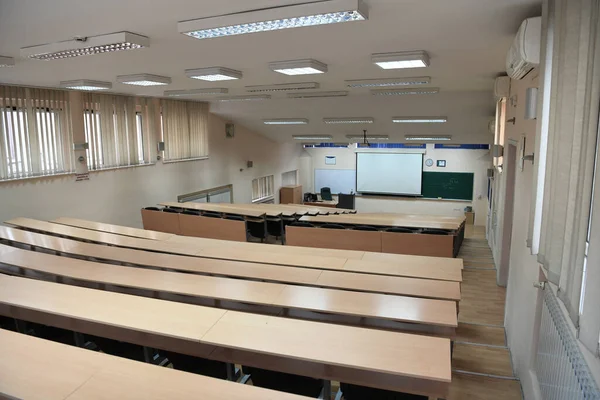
x=387, y=173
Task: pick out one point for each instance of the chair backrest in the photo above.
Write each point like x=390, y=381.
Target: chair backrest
x=191, y=212
x=211, y=214
x=274, y=227
x=302, y=224
x=326, y=193
x=152, y=208
x=400, y=230
x=234, y=217
x=257, y=229
x=333, y=226
x=346, y=201
x=172, y=210
x=365, y=228
x=429, y=231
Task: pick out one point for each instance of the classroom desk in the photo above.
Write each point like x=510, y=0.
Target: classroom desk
x=388, y=360
x=33, y=368
x=303, y=276
x=435, y=317
x=216, y=207
x=322, y=203
x=404, y=222
x=265, y=257
x=116, y=229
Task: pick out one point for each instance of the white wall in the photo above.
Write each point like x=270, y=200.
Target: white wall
x=457, y=160
x=116, y=196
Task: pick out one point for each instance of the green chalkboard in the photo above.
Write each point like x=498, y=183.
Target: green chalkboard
x=448, y=185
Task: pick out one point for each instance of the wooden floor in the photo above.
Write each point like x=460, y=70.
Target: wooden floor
x=481, y=363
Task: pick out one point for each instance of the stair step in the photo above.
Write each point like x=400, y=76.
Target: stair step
x=482, y=360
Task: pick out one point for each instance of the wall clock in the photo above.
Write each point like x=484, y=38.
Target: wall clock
x=429, y=162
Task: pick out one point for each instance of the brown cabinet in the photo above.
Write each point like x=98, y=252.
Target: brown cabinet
x=290, y=194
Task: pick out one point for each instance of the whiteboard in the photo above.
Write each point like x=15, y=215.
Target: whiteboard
x=339, y=180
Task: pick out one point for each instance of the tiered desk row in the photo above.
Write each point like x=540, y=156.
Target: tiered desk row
x=365, y=319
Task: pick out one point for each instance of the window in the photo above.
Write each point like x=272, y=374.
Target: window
x=500, y=129
x=289, y=178
x=263, y=189
x=184, y=129
x=118, y=130
x=35, y=133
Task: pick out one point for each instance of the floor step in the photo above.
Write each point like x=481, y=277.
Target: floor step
x=482, y=334
x=473, y=387
x=482, y=360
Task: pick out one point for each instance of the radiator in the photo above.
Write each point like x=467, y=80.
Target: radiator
x=561, y=369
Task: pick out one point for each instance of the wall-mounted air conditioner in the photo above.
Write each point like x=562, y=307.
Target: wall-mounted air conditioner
x=524, y=54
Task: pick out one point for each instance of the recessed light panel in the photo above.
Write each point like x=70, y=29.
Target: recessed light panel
x=314, y=95
x=87, y=46
x=419, y=120
x=283, y=87
x=411, y=59
x=144, y=80
x=86, y=84
x=299, y=67
x=312, y=137
x=401, y=92
x=286, y=121
x=424, y=80
x=6, y=61
x=350, y=120
x=213, y=74
x=275, y=18
x=195, y=92
x=245, y=98
x=369, y=137
x=422, y=138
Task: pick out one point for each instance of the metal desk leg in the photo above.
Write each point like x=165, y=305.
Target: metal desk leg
x=21, y=326
x=338, y=395
x=230, y=372
x=79, y=340
x=147, y=354
x=326, y=392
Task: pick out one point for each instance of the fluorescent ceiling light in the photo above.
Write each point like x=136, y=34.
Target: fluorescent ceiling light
x=313, y=95
x=369, y=137
x=275, y=18
x=213, y=74
x=195, y=92
x=298, y=67
x=86, y=46
x=144, y=79
x=361, y=120
x=410, y=59
x=286, y=121
x=245, y=98
x=283, y=87
x=400, y=92
x=312, y=137
x=6, y=61
x=419, y=120
x=86, y=84
x=423, y=80
x=421, y=138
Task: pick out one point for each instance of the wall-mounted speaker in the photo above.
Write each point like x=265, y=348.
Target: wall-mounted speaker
x=161, y=146
x=490, y=173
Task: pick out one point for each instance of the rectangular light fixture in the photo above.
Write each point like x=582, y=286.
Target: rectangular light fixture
x=314, y=95
x=423, y=80
x=213, y=74
x=245, y=98
x=312, y=137
x=144, y=80
x=283, y=87
x=195, y=92
x=86, y=84
x=275, y=18
x=286, y=121
x=409, y=59
x=357, y=120
x=435, y=138
x=6, y=61
x=86, y=46
x=369, y=137
x=419, y=120
x=298, y=67
x=401, y=92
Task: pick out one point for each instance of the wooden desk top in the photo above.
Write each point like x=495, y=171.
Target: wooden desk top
x=116, y=229
x=33, y=368
x=322, y=203
x=222, y=253
x=337, y=302
x=355, y=219
x=252, y=208
x=215, y=207
x=376, y=353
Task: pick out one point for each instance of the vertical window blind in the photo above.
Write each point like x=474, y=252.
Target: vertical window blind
x=185, y=129
x=35, y=132
x=119, y=130
x=263, y=188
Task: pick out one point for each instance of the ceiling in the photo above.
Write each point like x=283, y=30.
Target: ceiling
x=466, y=40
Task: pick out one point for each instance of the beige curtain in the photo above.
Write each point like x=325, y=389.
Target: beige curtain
x=185, y=129
x=120, y=130
x=572, y=135
x=35, y=132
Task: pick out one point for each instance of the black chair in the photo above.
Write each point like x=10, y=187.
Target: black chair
x=326, y=194
x=365, y=228
x=117, y=348
x=152, y=208
x=355, y=392
x=191, y=212
x=302, y=224
x=274, y=228
x=283, y=382
x=172, y=210
x=333, y=226
x=52, y=333
x=400, y=230
x=211, y=214
x=196, y=365
x=257, y=230
x=234, y=217
x=8, y=324
x=434, y=231
x=346, y=201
